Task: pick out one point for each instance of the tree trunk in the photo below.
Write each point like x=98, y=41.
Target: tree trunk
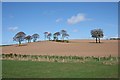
x=99, y=40
x=19, y=43
x=96, y=40
x=29, y=41
x=34, y=40
x=45, y=37
x=57, y=37
x=62, y=38
x=49, y=38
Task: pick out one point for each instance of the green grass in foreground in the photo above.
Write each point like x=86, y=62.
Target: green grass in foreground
x=35, y=69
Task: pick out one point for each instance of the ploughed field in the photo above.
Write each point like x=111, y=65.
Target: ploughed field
x=73, y=48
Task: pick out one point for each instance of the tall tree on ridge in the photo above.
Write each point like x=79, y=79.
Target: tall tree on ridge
x=35, y=37
x=28, y=38
x=19, y=37
x=97, y=33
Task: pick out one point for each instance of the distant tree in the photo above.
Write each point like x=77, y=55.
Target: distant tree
x=28, y=38
x=97, y=33
x=55, y=35
x=35, y=37
x=19, y=37
x=45, y=34
x=64, y=34
x=49, y=36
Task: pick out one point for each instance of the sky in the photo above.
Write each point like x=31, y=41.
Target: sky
x=77, y=18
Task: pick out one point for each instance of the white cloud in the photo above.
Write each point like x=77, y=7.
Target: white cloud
x=77, y=18
x=13, y=29
x=59, y=19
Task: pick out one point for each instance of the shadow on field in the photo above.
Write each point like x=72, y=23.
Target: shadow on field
x=4, y=45
x=96, y=43
x=21, y=45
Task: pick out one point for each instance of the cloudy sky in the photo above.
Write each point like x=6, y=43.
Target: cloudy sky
x=77, y=18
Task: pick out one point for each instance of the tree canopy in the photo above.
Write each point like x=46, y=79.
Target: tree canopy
x=19, y=37
x=64, y=34
x=35, y=37
x=29, y=38
x=97, y=33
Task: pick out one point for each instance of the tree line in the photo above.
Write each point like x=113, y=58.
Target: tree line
x=21, y=36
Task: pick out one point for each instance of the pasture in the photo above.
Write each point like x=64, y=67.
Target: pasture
x=36, y=69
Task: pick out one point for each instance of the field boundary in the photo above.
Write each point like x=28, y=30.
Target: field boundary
x=109, y=60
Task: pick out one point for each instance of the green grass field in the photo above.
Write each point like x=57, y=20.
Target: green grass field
x=36, y=69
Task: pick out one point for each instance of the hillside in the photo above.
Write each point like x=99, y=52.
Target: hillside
x=74, y=47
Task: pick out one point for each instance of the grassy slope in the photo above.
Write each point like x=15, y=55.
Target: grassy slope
x=23, y=69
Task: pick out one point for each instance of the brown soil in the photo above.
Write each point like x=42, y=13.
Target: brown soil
x=74, y=47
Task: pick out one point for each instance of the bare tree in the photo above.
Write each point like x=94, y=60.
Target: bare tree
x=19, y=37
x=55, y=35
x=28, y=38
x=97, y=33
x=35, y=37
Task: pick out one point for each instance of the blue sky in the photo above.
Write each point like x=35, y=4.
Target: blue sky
x=77, y=18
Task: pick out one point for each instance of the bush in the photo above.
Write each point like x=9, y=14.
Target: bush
x=67, y=41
